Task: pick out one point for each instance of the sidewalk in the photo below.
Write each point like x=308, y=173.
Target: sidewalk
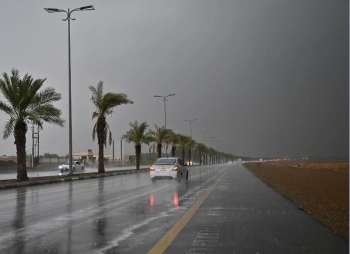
x=8, y=178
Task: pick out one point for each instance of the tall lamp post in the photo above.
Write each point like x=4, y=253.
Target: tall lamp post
x=204, y=135
x=205, y=158
x=217, y=141
x=164, y=99
x=212, y=147
x=191, y=135
x=69, y=18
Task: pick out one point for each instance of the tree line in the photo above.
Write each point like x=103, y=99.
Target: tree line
x=26, y=101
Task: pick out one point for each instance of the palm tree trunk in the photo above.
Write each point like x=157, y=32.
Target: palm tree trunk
x=200, y=158
x=138, y=156
x=20, y=142
x=173, y=150
x=183, y=155
x=101, y=134
x=189, y=155
x=159, y=150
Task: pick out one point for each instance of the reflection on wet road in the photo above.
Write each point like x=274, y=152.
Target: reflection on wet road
x=121, y=214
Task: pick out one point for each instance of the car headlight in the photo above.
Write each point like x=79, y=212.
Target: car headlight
x=59, y=167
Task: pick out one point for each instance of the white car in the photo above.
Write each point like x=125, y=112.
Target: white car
x=76, y=165
x=168, y=168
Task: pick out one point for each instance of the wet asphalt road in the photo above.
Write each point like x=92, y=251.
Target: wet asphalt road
x=129, y=214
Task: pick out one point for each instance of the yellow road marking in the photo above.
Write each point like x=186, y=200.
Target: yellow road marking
x=167, y=239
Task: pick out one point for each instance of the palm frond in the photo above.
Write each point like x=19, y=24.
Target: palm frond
x=25, y=102
x=95, y=115
x=6, y=108
x=9, y=126
x=94, y=131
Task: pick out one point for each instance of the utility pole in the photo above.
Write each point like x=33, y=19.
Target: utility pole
x=38, y=146
x=113, y=153
x=35, y=141
x=32, y=144
x=121, y=152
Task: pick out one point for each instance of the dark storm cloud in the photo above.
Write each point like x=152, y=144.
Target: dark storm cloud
x=266, y=78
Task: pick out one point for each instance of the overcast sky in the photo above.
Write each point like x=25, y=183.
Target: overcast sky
x=266, y=78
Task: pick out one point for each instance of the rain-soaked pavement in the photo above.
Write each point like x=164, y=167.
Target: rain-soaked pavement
x=220, y=209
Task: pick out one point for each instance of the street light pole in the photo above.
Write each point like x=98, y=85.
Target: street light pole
x=211, y=140
x=204, y=135
x=53, y=10
x=205, y=158
x=164, y=99
x=212, y=147
x=191, y=136
x=217, y=141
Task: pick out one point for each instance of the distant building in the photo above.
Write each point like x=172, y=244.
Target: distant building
x=89, y=158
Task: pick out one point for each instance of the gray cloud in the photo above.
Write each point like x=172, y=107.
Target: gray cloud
x=267, y=78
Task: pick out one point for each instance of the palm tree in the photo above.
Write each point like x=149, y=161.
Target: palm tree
x=183, y=140
x=190, y=144
x=211, y=152
x=174, y=140
x=26, y=104
x=104, y=104
x=160, y=136
x=138, y=136
x=201, y=149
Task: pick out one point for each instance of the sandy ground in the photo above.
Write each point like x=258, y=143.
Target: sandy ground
x=321, y=189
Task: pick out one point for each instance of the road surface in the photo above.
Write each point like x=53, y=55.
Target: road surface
x=220, y=209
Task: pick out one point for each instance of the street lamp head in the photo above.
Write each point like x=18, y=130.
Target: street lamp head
x=157, y=96
x=52, y=10
x=171, y=94
x=86, y=8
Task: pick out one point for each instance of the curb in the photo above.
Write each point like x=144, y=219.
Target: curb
x=38, y=181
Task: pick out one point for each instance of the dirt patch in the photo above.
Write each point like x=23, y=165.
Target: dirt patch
x=321, y=189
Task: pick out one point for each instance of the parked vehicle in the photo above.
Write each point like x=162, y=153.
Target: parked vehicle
x=76, y=165
x=168, y=168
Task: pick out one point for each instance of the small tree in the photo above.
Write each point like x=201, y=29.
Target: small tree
x=104, y=104
x=201, y=150
x=174, y=140
x=189, y=145
x=138, y=136
x=183, y=140
x=160, y=136
x=25, y=103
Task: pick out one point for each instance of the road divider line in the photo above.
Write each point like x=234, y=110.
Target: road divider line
x=169, y=237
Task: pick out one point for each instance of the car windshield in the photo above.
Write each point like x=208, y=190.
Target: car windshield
x=165, y=161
